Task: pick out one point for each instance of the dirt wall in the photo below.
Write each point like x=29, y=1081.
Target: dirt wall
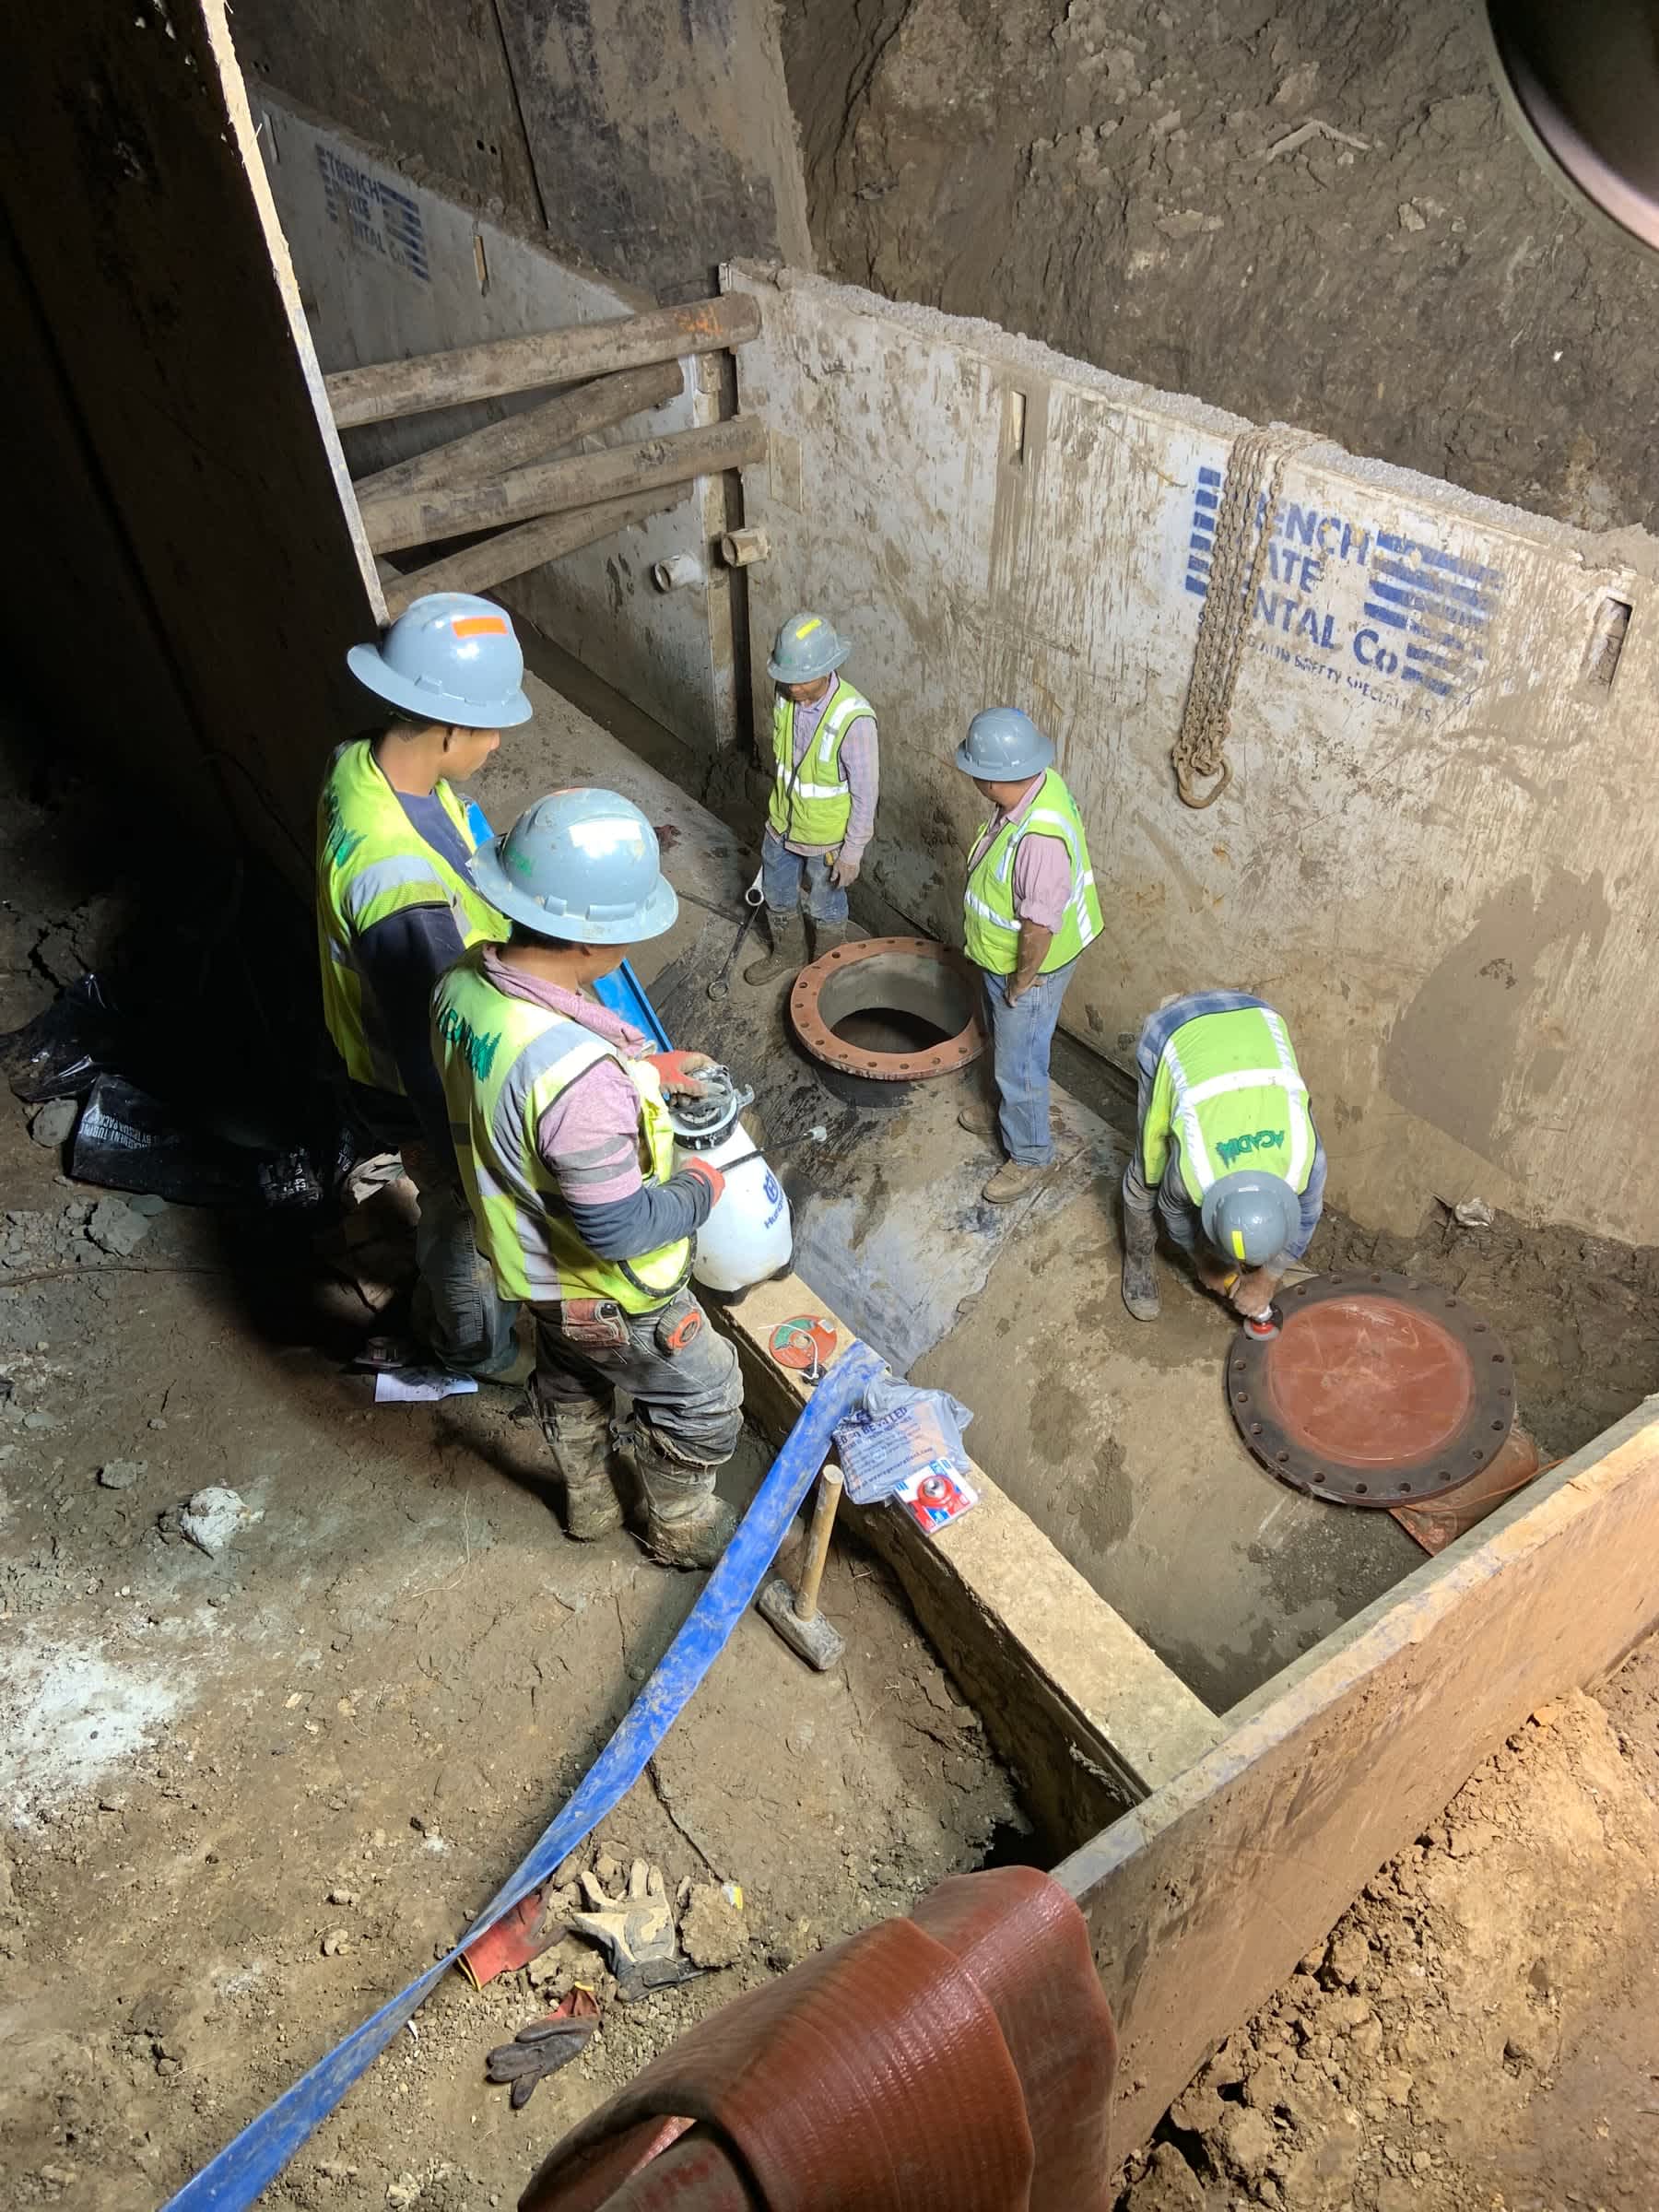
x=1313, y=213
x=648, y=138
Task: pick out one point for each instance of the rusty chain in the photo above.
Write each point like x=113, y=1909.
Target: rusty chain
x=1236, y=562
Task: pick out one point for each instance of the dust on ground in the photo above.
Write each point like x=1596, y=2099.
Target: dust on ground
x=248, y=1797
x=1481, y=2032
x=1313, y=213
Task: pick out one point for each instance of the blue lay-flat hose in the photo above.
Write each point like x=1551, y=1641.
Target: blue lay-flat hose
x=231, y=2181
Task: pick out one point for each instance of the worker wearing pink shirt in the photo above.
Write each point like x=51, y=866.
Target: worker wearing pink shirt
x=825, y=782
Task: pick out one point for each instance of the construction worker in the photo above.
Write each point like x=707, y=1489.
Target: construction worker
x=1028, y=912
x=396, y=905
x=567, y=1154
x=826, y=775
x=1226, y=1154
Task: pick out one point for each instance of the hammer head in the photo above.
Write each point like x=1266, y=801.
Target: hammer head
x=815, y=1640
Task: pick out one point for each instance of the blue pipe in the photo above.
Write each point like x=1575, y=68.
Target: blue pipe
x=246, y=2166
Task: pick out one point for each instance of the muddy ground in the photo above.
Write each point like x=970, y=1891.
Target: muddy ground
x=244, y=1799
x=1313, y=213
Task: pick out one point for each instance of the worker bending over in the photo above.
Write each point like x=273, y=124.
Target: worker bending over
x=1028, y=909
x=567, y=1154
x=1227, y=1155
x=825, y=782
x=396, y=905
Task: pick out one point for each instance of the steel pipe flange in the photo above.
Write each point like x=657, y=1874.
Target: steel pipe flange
x=1376, y=1390
x=901, y=975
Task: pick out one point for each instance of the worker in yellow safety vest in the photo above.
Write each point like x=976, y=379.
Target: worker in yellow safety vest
x=567, y=1154
x=1226, y=1157
x=396, y=905
x=1028, y=909
x=826, y=772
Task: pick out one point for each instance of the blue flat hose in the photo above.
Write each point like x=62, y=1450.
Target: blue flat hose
x=233, y=2180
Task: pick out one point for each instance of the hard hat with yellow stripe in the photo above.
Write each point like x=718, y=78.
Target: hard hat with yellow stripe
x=807, y=648
x=452, y=658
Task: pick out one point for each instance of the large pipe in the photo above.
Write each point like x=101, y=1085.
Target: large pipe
x=1581, y=79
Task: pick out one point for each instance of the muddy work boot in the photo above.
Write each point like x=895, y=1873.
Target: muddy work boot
x=1013, y=1180
x=788, y=954
x=1140, y=1272
x=825, y=936
x=685, y=1524
x=581, y=1444
x=982, y=1121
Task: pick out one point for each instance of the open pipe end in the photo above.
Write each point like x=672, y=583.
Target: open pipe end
x=919, y=986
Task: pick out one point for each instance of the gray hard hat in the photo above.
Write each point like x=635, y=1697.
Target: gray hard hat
x=1002, y=743
x=804, y=649
x=1250, y=1216
x=581, y=866
x=448, y=657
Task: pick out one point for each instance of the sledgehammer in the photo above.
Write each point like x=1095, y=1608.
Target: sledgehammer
x=793, y=1613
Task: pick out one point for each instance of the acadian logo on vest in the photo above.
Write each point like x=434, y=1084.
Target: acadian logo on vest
x=339, y=842
x=478, y=1050
x=1233, y=1148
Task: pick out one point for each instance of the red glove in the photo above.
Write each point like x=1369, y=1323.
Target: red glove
x=678, y=1071
x=706, y=1171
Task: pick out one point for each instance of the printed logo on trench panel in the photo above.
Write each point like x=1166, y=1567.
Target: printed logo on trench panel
x=1388, y=618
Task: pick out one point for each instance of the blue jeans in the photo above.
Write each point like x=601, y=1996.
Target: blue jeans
x=781, y=873
x=1020, y=1038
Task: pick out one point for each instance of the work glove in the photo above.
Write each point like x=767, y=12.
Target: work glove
x=636, y=1932
x=1253, y=1293
x=844, y=871
x=678, y=1072
x=542, y=2046
x=705, y=1172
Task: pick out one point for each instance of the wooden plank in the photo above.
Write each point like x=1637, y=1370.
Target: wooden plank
x=533, y=434
x=419, y=518
x=1088, y=1714
x=1202, y=1899
x=490, y=370
x=511, y=552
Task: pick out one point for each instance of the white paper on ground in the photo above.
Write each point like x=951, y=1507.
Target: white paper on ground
x=418, y=1385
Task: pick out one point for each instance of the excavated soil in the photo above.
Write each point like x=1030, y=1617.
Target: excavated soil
x=244, y=1799
x=1481, y=2032
x=1313, y=213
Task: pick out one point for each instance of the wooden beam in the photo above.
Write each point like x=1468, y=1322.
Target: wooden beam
x=533, y=434
x=1201, y=1900
x=511, y=552
x=490, y=370
x=1088, y=1714
x=419, y=518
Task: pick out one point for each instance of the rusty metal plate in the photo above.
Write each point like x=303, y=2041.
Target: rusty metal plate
x=911, y=976
x=1377, y=1391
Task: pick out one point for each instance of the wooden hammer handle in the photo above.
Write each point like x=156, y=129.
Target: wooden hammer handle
x=817, y=1542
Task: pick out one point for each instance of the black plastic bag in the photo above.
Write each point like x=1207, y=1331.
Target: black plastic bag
x=63, y=1052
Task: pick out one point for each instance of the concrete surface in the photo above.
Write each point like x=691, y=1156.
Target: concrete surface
x=1203, y=1898
x=1088, y=1716
x=390, y=268
x=648, y=139
x=1112, y=1437
x=1446, y=884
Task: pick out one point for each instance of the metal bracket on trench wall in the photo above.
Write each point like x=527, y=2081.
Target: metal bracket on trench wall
x=1085, y=1713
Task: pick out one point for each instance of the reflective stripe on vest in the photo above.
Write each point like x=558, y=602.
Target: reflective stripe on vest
x=372, y=862
x=990, y=926
x=812, y=803
x=1202, y=1135
x=504, y=1061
